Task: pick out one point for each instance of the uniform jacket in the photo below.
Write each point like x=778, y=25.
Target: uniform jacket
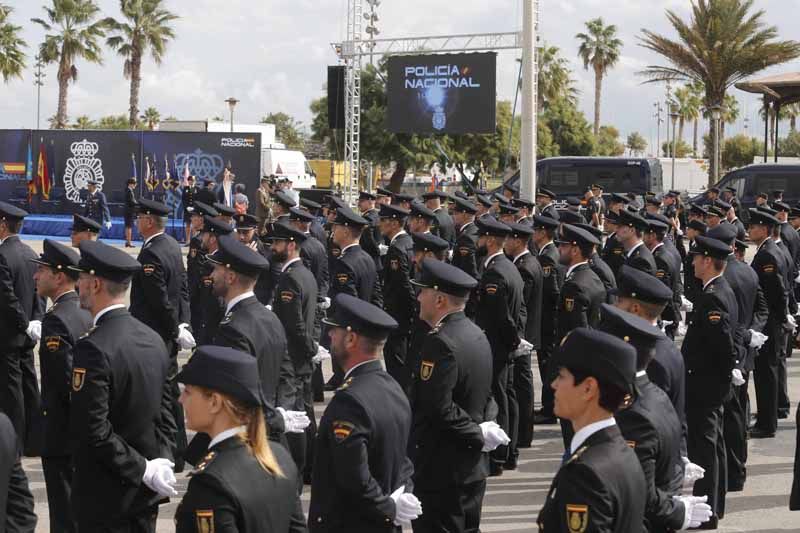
x=581, y=297
x=768, y=264
x=97, y=207
x=119, y=418
x=295, y=305
x=751, y=308
x=613, y=253
x=361, y=455
x=63, y=324
x=641, y=258
x=667, y=371
x=533, y=288
x=601, y=488
x=315, y=258
x=398, y=294
x=188, y=195
x=19, y=302
x=465, y=250
x=499, y=305
x=449, y=399
x=130, y=202
x=668, y=270
x=553, y=279
x=444, y=226
x=371, y=237
x=231, y=491
x=353, y=272
x=16, y=500
x=159, y=291
x=606, y=275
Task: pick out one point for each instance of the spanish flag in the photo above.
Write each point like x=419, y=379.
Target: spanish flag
x=42, y=177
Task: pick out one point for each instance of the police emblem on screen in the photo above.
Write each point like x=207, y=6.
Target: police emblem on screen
x=82, y=167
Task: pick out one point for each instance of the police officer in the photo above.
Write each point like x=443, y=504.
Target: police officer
x=770, y=266
x=398, y=294
x=651, y=427
x=195, y=269
x=96, y=205
x=205, y=192
x=630, y=227
x=421, y=219
x=691, y=285
x=130, y=211
x=544, y=201
x=245, y=482
x=21, y=311
x=246, y=225
x=63, y=324
x=361, y=471
x=160, y=297
x=544, y=229
x=525, y=211
x=188, y=194
x=16, y=500
x=118, y=491
x=499, y=301
x=709, y=352
x=464, y=252
x=83, y=229
x=313, y=208
x=600, y=485
x=668, y=269
x=444, y=226
x=613, y=253
x=451, y=398
x=371, y=237
x=295, y=305
x=210, y=307
x=507, y=214
x=598, y=265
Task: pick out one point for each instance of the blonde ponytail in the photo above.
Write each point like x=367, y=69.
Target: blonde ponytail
x=255, y=434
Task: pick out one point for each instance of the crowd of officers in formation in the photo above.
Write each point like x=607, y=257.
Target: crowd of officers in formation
x=431, y=310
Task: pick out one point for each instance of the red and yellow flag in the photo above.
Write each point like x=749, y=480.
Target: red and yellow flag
x=42, y=177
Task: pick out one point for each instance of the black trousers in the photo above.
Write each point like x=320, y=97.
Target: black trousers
x=144, y=523
x=706, y=447
x=11, y=396
x=543, y=356
x=58, y=482
x=523, y=388
x=395, y=355
x=298, y=442
x=506, y=398
x=783, y=388
x=32, y=402
x=454, y=509
x=736, y=414
x=766, y=382
x=179, y=440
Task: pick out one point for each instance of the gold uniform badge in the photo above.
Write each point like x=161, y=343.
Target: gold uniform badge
x=205, y=520
x=577, y=517
x=78, y=375
x=148, y=269
x=52, y=343
x=342, y=278
x=342, y=430
x=569, y=304
x=287, y=296
x=426, y=370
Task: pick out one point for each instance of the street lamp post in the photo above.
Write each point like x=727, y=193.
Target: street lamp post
x=39, y=82
x=673, y=114
x=231, y=105
x=716, y=114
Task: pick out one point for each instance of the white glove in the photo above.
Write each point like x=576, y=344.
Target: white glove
x=797, y=279
x=524, y=348
x=682, y=329
x=493, y=436
x=321, y=355
x=324, y=304
x=268, y=307
x=679, y=233
x=295, y=421
x=696, y=510
x=407, y=507
x=450, y=255
x=382, y=249
x=691, y=472
x=757, y=339
x=190, y=209
x=185, y=338
x=736, y=377
x=664, y=324
x=159, y=478
x=791, y=321
x=34, y=330
x=686, y=305
x=107, y=224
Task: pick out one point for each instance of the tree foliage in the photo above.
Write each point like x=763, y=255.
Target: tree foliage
x=12, y=56
x=608, y=143
x=287, y=129
x=571, y=132
x=599, y=49
x=740, y=150
x=636, y=143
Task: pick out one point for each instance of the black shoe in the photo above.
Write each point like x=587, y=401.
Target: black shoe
x=511, y=464
x=319, y=399
x=495, y=470
x=758, y=433
x=783, y=414
x=543, y=419
x=736, y=488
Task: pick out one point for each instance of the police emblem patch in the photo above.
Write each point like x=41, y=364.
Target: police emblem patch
x=52, y=343
x=342, y=430
x=547, y=270
x=714, y=317
x=148, y=269
x=618, y=251
x=394, y=264
x=569, y=304
x=769, y=269
x=463, y=251
x=78, y=375
x=287, y=296
x=205, y=520
x=659, y=274
x=491, y=288
x=193, y=252
x=426, y=370
x=577, y=517
x=342, y=278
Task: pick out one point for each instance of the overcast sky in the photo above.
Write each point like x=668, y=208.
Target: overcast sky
x=272, y=54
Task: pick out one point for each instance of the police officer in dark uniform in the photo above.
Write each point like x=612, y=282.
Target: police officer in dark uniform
x=21, y=311
x=525, y=211
x=160, y=297
x=295, y=305
x=130, y=211
x=83, y=229
x=362, y=479
x=245, y=482
x=709, y=352
x=371, y=237
x=465, y=251
x=96, y=206
x=246, y=226
x=451, y=401
x=630, y=228
x=123, y=434
x=544, y=200
x=544, y=229
x=210, y=307
x=600, y=485
x=668, y=269
x=16, y=500
x=399, y=299
x=196, y=269
x=691, y=285
x=314, y=209
x=188, y=194
x=530, y=325
x=63, y=324
x=651, y=427
x=770, y=266
x=613, y=252
x=500, y=299
x=598, y=265
x=205, y=192
x=444, y=226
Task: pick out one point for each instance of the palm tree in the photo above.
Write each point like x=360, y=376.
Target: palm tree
x=147, y=26
x=792, y=111
x=12, y=58
x=763, y=112
x=688, y=107
x=83, y=123
x=75, y=36
x=151, y=117
x=554, y=78
x=600, y=49
x=724, y=42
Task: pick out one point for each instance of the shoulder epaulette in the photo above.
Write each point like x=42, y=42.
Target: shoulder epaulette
x=346, y=384
x=577, y=454
x=91, y=330
x=202, y=465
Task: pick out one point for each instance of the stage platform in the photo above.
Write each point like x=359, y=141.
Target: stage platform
x=61, y=226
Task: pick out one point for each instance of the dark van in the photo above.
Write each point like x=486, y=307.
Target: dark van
x=570, y=176
x=753, y=179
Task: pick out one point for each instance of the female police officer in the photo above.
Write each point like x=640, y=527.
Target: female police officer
x=244, y=483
